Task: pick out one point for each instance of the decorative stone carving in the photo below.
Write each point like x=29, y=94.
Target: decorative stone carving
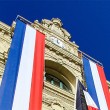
x=55, y=25
x=56, y=100
x=5, y=40
x=60, y=59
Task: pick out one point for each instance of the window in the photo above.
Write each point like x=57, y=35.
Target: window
x=55, y=81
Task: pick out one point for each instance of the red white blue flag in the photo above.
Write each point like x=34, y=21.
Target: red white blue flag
x=96, y=84
x=83, y=99
x=89, y=101
x=22, y=83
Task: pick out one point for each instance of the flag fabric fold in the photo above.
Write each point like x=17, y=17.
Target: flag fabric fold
x=21, y=87
x=90, y=103
x=83, y=99
x=80, y=98
x=96, y=84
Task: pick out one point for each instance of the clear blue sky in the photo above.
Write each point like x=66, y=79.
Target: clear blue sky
x=88, y=21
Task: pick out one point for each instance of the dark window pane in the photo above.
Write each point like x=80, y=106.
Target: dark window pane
x=65, y=87
x=48, y=78
x=55, y=81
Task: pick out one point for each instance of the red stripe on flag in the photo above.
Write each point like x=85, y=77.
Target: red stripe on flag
x=104, y=85
x=91, y=108
x=37, y=76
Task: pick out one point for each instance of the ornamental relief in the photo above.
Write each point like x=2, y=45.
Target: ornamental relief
x=55, y=26
x=1, y=34
x=49, y=93
x=6, y=37
x=55, y=56
x=55, y=103
x=4, y=46
x=5, y=41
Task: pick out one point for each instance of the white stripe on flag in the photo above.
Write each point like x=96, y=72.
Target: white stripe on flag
x=98, y=86
x=89, y=100
x=23, y=86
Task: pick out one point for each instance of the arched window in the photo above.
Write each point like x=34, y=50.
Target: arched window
x=56, y=81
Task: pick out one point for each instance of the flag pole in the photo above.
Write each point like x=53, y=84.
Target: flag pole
x=90, y=58
x=23, y=19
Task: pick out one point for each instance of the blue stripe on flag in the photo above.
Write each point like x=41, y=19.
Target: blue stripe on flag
x=8, y=84
x=89, y=81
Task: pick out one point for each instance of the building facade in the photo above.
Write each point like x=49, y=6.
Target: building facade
x=63, y=63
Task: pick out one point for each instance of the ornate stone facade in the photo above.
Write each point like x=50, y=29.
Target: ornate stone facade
x=62, y=63
x=5, y=40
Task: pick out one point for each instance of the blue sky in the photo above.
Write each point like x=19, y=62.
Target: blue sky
x=88, y=21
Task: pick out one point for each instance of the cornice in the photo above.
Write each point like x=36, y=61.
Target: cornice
x=2, y=57
x=5, y=28
x=63, y=52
